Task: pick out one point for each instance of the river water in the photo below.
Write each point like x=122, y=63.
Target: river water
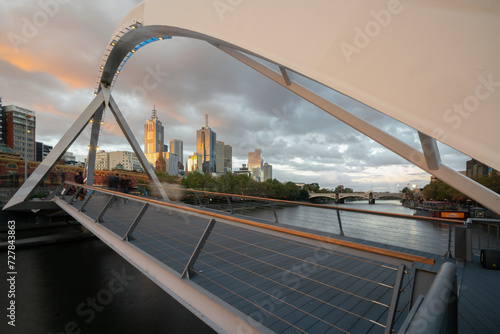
x=413, y=233
x=85, y=287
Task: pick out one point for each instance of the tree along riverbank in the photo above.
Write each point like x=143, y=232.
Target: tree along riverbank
x=240, y=184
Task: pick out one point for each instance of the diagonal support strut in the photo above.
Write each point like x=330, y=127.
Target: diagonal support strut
x=57, y=152
x=135, y=146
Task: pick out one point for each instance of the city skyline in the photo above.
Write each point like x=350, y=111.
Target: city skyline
x=187, y=79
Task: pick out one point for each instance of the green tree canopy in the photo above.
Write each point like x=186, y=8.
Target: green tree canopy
x=241, y=184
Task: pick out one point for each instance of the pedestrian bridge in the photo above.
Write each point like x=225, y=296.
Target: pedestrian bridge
x=244, y=274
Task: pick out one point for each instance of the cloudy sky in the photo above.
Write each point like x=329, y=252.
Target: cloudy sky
x=49, y=58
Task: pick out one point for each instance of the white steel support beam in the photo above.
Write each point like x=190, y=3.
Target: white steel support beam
x=122, y=123
x=285, y=75
x=474, y=190
x=431, y=151
x=57, y=152
x=94, y=138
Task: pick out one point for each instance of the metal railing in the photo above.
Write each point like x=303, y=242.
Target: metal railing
x=485, y=233
x=435, y=235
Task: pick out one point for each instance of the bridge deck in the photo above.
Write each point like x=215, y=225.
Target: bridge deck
x=283, y=285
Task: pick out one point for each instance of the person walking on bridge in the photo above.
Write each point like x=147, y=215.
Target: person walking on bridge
x=114, y=182
x=79, y=180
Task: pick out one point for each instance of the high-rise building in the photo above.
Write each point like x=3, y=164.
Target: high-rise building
x=177, y=147
x=219, y=157
x=19, y=130
x=205, y=145
x=102, y=160
x=127, y=159
x=268, y=172
x=153, y=138
x=1, y=121
x=255, y=164
x=69, y=157
x=167, y=163
x=172, y=162
x=194, y=163
x=228, y=158
x=42, y=151
x=476, y=168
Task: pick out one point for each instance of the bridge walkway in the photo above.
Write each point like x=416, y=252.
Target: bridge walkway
x=275, y=283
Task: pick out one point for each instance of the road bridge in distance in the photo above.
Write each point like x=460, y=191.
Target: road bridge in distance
x=340, y=197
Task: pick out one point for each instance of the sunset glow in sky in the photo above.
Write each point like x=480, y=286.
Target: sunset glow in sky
x=50, y=52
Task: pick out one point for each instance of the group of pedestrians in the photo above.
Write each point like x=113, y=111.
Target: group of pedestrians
x=117, y=183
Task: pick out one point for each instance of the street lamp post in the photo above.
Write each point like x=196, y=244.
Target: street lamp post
x=26, y=149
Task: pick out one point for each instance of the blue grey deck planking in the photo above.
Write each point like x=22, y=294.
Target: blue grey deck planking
x=476, y=316
x=478, y=308
x=286, y=312
x=303, y=278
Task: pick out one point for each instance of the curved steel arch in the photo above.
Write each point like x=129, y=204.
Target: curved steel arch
x=344, y=46
x=438, y=75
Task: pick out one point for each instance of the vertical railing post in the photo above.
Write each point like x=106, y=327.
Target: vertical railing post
x=276, y=221
x=480, y=225
x=340, y=223
x=498, y=227
x=128, y=236
x=394, y=300
x=103, y=211
x=230, y=204
x=77, y=191
x=86, y=201
x=488, y=235
x=55, y=192
x=468, y=245
x=448, y=253
x=199, y=200
x=197, y=250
